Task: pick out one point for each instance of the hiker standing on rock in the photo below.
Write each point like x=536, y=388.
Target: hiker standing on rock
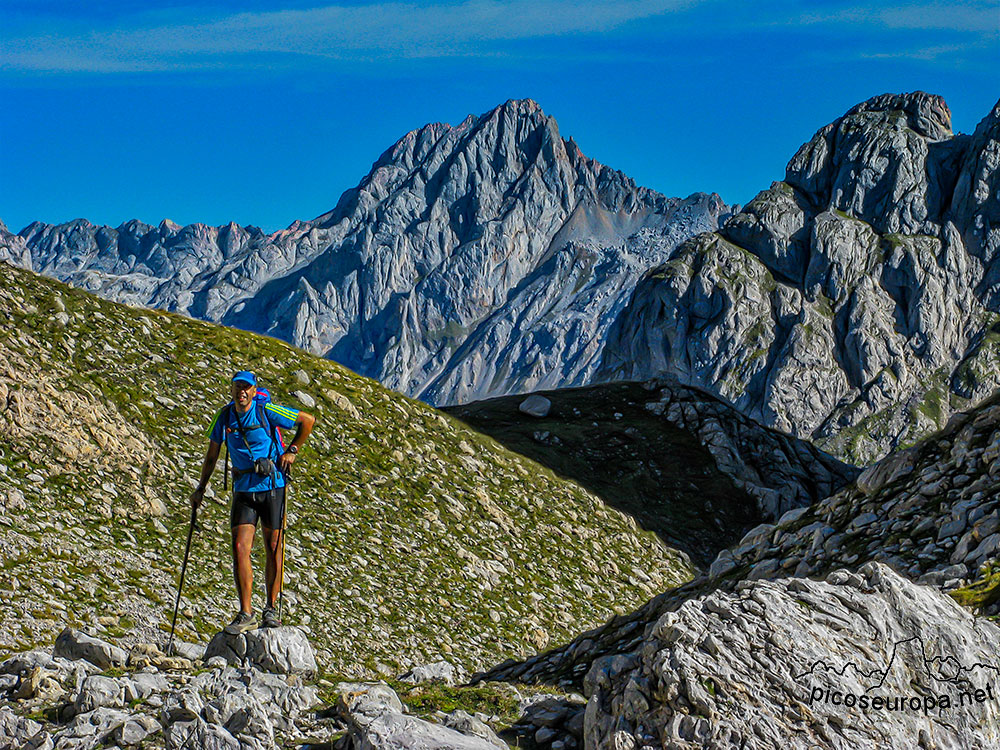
x=249, y=425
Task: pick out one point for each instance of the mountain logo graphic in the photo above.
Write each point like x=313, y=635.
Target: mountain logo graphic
x=944, y=682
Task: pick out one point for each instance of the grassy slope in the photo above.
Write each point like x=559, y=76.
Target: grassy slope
x=411, y=537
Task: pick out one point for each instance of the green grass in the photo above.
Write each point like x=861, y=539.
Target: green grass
x=982, y=592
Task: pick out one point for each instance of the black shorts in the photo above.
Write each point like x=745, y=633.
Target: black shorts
x=266, y=505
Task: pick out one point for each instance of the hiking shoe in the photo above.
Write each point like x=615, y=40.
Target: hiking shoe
x=242, y=622
x=270, y=618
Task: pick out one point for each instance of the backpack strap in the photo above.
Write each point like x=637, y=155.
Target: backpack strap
x=243, y=432
x=275, y=439
x=273, y=432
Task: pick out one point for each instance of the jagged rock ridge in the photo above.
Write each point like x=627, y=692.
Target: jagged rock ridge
x=472, y=261
x=856, y=302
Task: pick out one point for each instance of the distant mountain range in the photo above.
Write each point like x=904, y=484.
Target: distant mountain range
x=855, y=303
x=472, y=261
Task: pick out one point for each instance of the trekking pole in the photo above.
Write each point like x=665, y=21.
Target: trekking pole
x=177, y=604
x=281, y=570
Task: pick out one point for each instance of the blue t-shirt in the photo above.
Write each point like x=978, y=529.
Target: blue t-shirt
x=261, y=439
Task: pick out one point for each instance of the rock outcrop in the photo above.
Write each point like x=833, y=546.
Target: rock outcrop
x=376, y=721
x=221, y=707
x=854, y=303
x=283, y=650
x=167, y=703
x=862, y=659
x=930, y=511
x=481, y=259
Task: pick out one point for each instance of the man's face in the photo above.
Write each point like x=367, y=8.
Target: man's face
x=243, y=394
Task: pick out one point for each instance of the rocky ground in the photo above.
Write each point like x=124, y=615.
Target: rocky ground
x=861, y=659
x=930, y=511
x=256, y=691
x=411, y=537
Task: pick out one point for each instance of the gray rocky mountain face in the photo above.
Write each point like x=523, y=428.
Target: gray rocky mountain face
x=13, y=248
x=856, y=302
x=472, y=261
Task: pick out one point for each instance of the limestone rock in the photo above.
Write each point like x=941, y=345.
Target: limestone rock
x=375, y=721
x=440, y=671
x=463, y=722
x=98, y=691
x=92, y=729
x=853, y=303
x=134, y=730
x=396, y=731
x=535, y=406
x=772, y=665
x=364, y=701
x=181, y=735
x=74, y=644
x=284, y=650
x=146, y=654
x=21, y=664
x=304, y=398
x=886, y=471
x=232, y=648
x=15, y=731
x=342, y=402
x=190, y=651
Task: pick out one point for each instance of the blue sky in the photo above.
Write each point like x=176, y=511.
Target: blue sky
x=263, y=113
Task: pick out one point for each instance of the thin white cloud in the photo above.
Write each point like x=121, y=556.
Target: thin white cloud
x=975, y=17
x=480, y=29
x=376, y=31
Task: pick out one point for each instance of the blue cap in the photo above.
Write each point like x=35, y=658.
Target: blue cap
x=246, y=377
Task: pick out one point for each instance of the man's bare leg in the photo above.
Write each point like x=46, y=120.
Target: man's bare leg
x=275, y=564
x=242, y=569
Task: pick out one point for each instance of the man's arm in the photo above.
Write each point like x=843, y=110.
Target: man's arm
x=207, y=467
x=303, y=427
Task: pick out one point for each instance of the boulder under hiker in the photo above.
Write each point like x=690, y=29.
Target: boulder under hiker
x=250, y=424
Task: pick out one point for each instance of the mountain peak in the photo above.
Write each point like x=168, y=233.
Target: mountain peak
x=134, y=226
x=520, y=106
x=926, y=114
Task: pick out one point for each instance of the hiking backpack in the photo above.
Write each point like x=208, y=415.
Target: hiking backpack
x=260, y=400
